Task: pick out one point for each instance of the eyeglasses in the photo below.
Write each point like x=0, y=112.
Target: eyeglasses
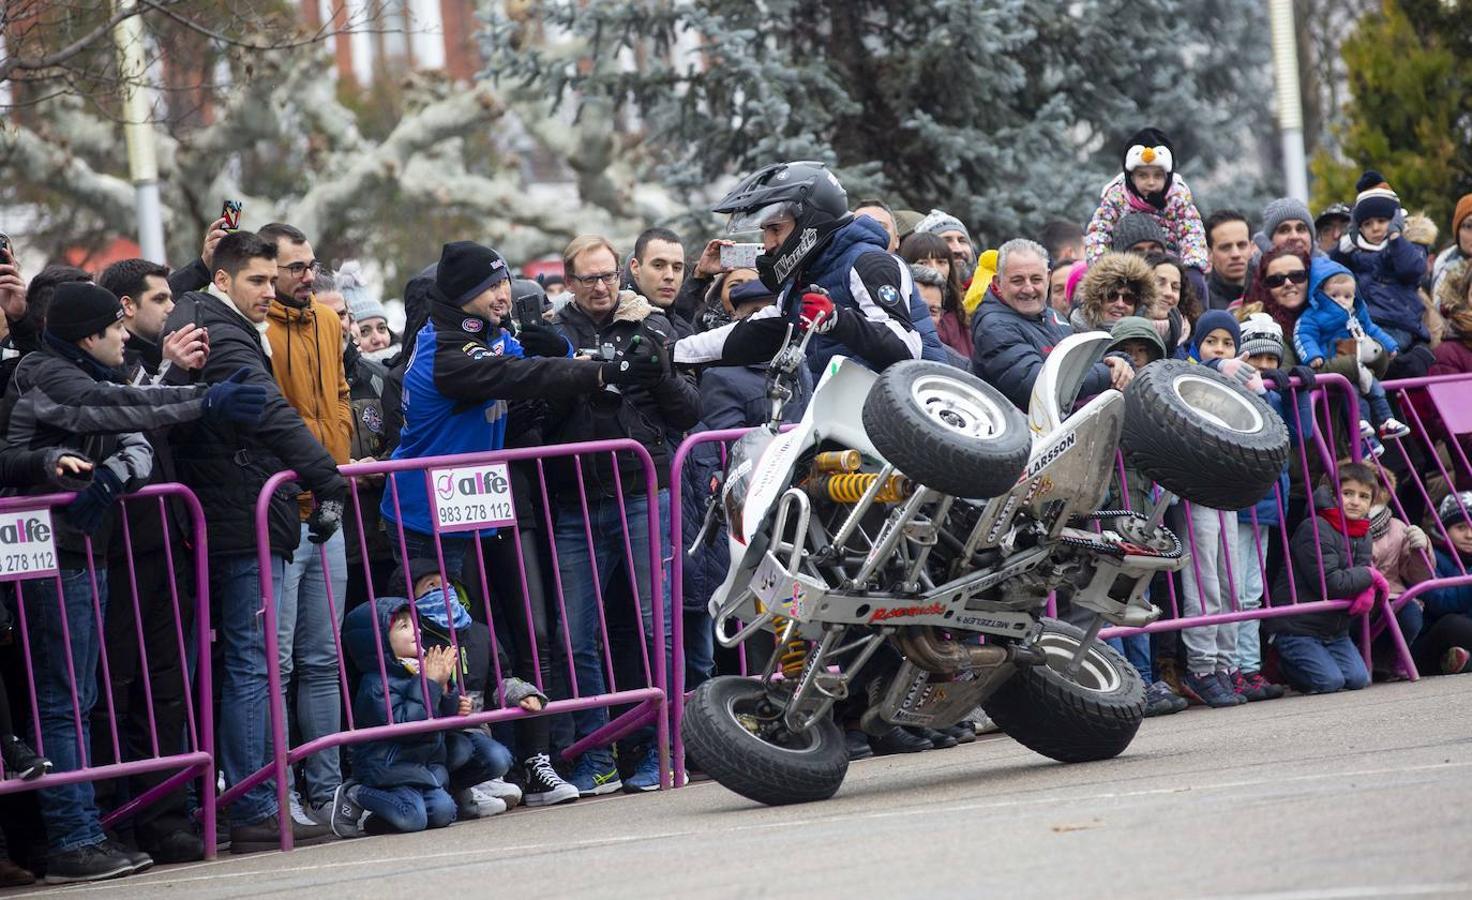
x=1298, y=276
x=1122, y=294
x=609, y=279
x=298, y=269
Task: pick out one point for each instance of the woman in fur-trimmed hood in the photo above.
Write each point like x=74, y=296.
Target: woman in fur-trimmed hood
x=1115, y=286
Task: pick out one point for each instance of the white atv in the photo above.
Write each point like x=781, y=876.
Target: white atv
x=912, y=511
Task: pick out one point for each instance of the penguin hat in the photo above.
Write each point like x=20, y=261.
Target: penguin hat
x=1149, y=147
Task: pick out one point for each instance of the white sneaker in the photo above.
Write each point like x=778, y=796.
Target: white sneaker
x=484, y=803
x=502, y=790
x=300, y=813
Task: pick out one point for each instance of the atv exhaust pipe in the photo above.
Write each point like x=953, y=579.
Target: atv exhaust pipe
x=924, y=648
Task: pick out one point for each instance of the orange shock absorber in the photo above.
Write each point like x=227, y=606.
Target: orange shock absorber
x=850, y=487
x=793, y=654
x=838, y=461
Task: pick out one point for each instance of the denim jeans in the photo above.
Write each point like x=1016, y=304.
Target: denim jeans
x=421, y=546
x=1379, y=406
x=408, y=809
x=1209, y=648
x=70, y=812
x=1136, y=650
x=304, y=631
x=244, y=720
x=1316, y=666
x=700, y=648
x=1247, y=570
x=575, y=563
x=473, y=756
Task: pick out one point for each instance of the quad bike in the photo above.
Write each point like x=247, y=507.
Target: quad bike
x=910, y=513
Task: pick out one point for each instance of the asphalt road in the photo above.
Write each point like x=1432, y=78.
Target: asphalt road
x=1353, y=795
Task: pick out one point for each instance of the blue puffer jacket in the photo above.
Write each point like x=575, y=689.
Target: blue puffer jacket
x=1448, y=600
x=832, y=270
x=410, y=760
x=1387, y=281
x=1325, y=322
x=1009, y=349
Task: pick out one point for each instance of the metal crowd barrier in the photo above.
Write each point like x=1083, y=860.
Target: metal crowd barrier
x=140, y=639
x=473, y=492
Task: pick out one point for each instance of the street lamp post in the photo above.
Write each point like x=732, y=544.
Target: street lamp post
x=1290, y=100
x=142, y=158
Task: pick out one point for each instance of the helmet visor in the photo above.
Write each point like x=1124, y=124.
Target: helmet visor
x=754, y=220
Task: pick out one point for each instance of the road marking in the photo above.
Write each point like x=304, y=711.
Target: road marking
x=146, y=881
x=1460, y=888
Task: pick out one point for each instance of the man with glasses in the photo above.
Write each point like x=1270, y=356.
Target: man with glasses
x=304, y=337
x=610, y=325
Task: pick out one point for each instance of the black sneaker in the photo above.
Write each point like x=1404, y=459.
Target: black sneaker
x=266, y=835
x=21, y=761
x=939, y=740
x=347, y=815
x=140, y=860
x=542, y=786
x=178, y=846
x=858, y=744
x=898, y=740
x=963, y=731
x=94, y=862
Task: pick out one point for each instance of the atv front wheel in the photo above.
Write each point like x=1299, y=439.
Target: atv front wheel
x=947, y=429
x=1093, y=715
x=734, y=727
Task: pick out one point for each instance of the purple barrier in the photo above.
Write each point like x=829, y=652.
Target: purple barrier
x=467, y=495
x=150, y=752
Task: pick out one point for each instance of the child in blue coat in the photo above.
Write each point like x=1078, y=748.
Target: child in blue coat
x=1387, y=266
x=1337, y=323
x=1445, y=643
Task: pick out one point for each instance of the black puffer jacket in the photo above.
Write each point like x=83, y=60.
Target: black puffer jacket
x=1346, y=572
x=227, y=465
x=650, y=416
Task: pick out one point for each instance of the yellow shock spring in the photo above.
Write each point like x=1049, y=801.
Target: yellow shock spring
x=850, y=487
x=793, y=654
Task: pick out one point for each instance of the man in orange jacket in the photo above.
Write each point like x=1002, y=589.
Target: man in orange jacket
x=305, y=340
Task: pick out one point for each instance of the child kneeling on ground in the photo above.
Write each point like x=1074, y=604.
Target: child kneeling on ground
x=1315, y=653
x=404, y=784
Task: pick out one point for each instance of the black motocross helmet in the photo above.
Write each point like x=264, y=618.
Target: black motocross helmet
x=805, y=190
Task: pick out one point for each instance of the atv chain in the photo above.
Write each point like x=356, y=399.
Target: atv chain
x=1121, y=548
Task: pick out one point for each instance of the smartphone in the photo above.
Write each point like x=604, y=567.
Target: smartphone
x=4, y=248
x=739, y=256
x=527, y=311
x=231, y=214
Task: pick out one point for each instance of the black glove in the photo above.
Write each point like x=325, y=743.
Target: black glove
x=1306, y=379
x=233, y=401
x=87, y=510
x=642, y=365
x=539, y=340
x=324, y=521
x=1278, y=377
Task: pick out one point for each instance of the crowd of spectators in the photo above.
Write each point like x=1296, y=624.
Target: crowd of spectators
x=256, y=358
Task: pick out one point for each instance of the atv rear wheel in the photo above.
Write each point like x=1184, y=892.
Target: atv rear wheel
x=733, y=726
x=1201, y=436
x=1071, y=719
x=947, y=429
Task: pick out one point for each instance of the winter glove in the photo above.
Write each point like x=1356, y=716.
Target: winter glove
x=1243, y=373
x=642, y=364
x=1305, y=376
x=518, y=690
x=1416, y=538
x=1361, y=603
x=1278, y=377
x=1382, y=587
x=87, y=510
x=539, y=340
x=817, y=312
x=233, y=401
x=324, y=521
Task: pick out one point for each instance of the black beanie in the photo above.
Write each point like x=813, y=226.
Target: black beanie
x=81, y=309
x=467, y=270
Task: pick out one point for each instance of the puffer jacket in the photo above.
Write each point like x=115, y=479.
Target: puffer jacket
x=306, y=358
x=651, y=416
x=1389, y=280
x=1453, y=600
x=1325, y=322
x=227, y=465
x=1180, y=219
x=1346, y=572
x=1011, y=347
x=1400, y=563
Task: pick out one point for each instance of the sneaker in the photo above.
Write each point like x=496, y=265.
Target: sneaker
x=502, y=790
x=12, y=875
x=981, y=723
x=596, y=774
x=1268, y=690
x=179, y=845
x=1367, y=431
x=898, y=740
x=544, y=787
x=646, y=774
x=300, y=814
x=141, y=861
x=266, y=835
x=1454, y=661
x=1210, y=690
x=1392, y=429
x=1242, y=688
x=21, y=761
x=94, y=862
x=1225, y=681
x=1373, y=447
x=1160, y=701
x=858, y=744
x=963, y=731
x=347, y=816
x=474, y=803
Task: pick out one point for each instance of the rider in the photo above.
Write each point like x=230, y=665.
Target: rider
x=831, y=271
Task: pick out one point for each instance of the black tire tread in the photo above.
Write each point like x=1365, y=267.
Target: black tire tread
x=737, y=762
x=925, y=453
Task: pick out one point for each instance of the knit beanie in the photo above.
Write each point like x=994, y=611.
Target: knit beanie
x=1287, y=209
x=1375, y=199
x=1134, y=228
x=1214, y=320
x=1450, y=511
x=1463, y=210
x=362, y=304
x=80, y=309
x=1260, y=334
x=467, y=270
x=905, y=221
x=939, y=222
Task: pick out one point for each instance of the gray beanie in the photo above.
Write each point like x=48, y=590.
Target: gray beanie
x=939, y=222
x=362, y=304
x=1286, y=209
x=1134, y=228
x=1261, y=334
